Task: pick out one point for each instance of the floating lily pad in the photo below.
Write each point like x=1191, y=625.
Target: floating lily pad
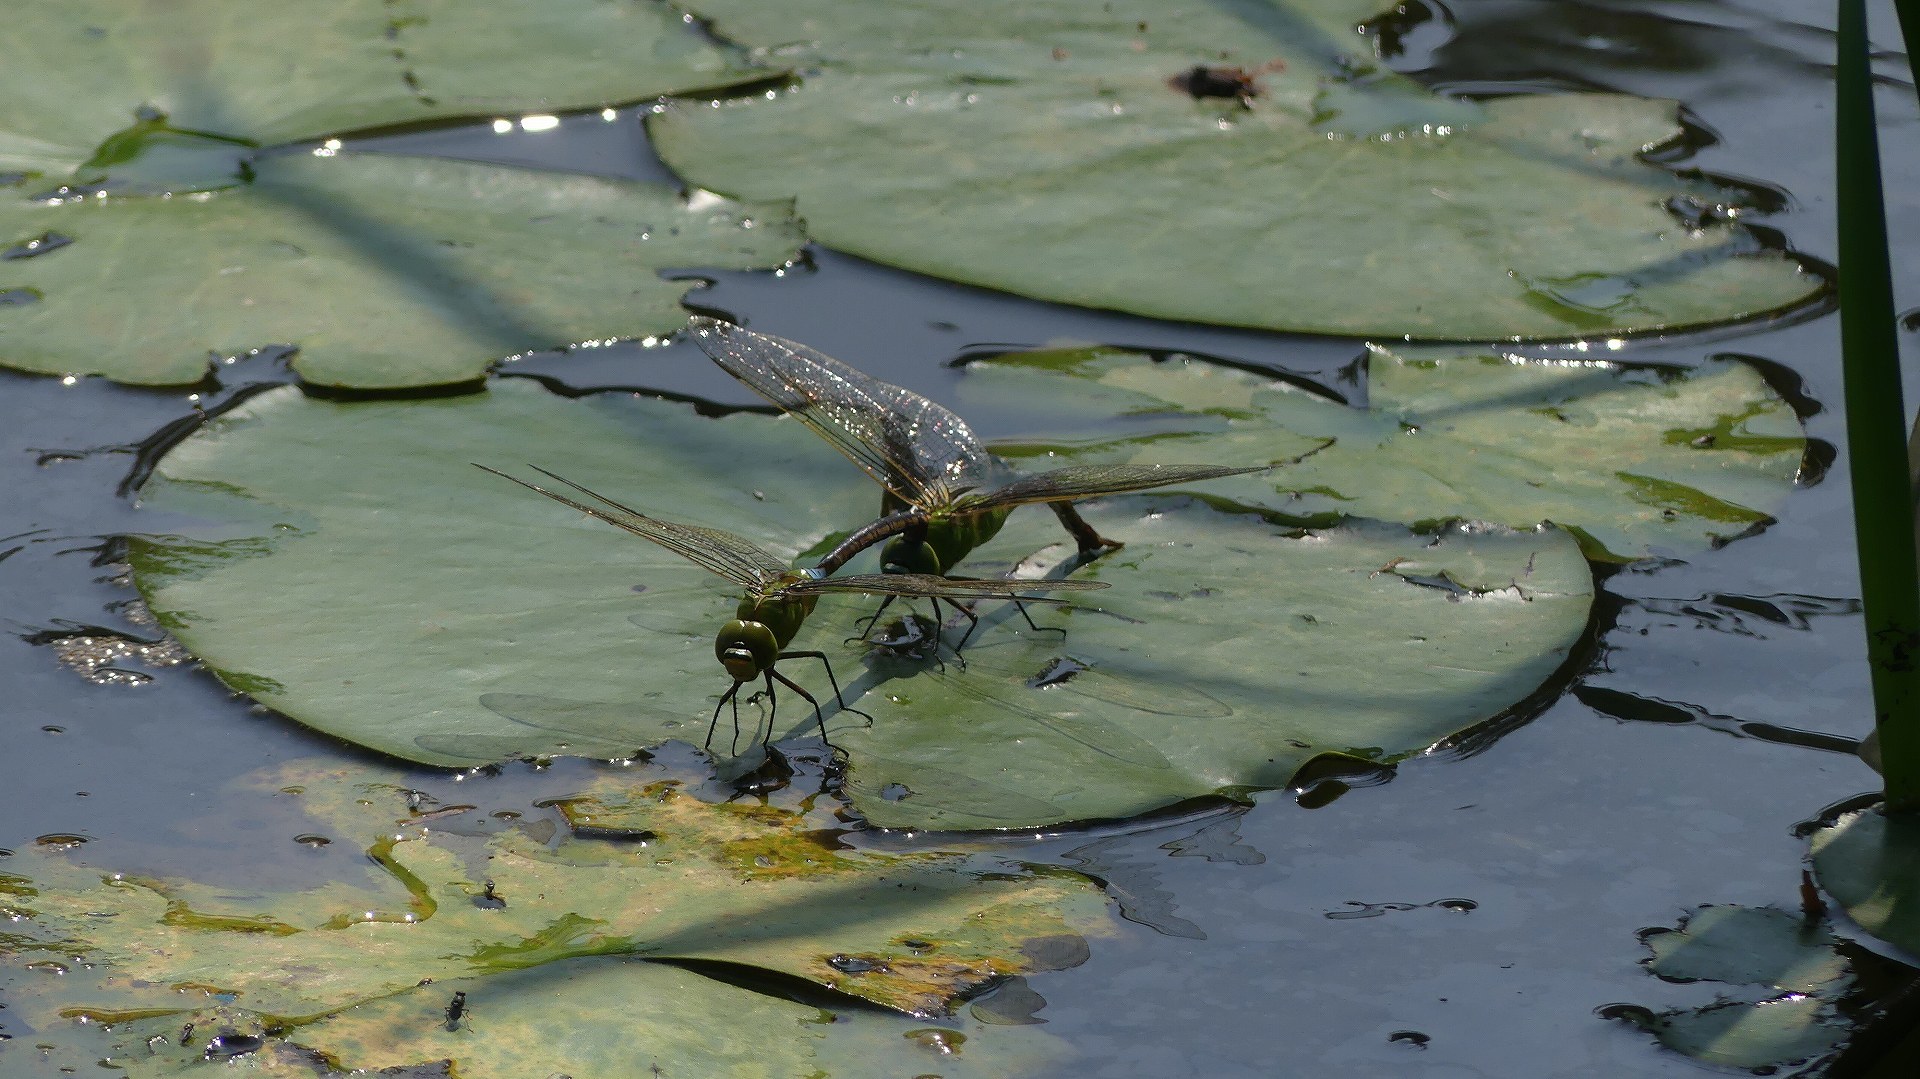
x=1791, y=1015
x=495, y=590
x=385, y=270
x=366, y=580
x=1748, y=946
x=1870, y=864
x=78, y=72
x=1635, y=461
x=1076, y=155
x=1754, y=1035
x=1229, y=653
x=755, y=886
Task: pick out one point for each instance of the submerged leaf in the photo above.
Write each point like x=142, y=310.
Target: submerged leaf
x=755, y=886
x=384, y=270
x=447, y=616
x=1635, y=461
x=1072, y=154
x=589, y=1018
x=657, y=1016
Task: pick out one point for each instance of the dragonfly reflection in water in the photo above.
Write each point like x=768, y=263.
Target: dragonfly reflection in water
x=945, y=494
x=778, y=597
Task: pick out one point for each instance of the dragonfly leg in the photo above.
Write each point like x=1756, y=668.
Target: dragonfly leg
x=734, y=746
x=1022, y=608
x=973, y=623
x=831, y=680
x=810, y=699
x=871, y=620
x=773, y=709
x=730, y=695
x=1089, y=541
x=755, y=699
x=939, y=663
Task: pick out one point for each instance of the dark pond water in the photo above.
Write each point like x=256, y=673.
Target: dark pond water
x=1486, y=903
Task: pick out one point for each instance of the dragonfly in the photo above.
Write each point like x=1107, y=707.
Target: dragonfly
x=779, y=597
x=944, y=493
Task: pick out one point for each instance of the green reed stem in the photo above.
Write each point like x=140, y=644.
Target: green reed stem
x=1883, y=488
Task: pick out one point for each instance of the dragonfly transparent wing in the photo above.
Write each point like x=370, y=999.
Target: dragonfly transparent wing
x=921, y=584
x=917, y=449
x=1086, y=481
x=722, y=553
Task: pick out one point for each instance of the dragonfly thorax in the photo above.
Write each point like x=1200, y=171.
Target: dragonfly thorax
x=904, y=555
x=942, y=543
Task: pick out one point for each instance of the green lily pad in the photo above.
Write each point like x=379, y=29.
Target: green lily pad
x=1229, y=653
x=1793, y=1017
x=751, y=885
x=1634, y=461
x=1059, y=152
x=367, y=581
x=80, y=72
x=385, y=270
x=1870, y=864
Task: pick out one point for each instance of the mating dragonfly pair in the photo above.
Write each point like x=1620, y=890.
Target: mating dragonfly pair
x=943, y=498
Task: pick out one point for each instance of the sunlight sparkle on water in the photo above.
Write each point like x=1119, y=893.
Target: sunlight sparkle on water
x=539, y=122
x=327, y=148
x=501, y=127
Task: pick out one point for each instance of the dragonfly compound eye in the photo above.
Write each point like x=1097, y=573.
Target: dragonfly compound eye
x=746, y=649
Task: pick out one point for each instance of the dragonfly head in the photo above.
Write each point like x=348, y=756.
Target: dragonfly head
x=746, y=649
x=906, y=555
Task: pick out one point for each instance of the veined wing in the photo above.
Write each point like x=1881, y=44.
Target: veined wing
x=1086, y=481
x=921, y=584
x=718, y=552
x=917, y=449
